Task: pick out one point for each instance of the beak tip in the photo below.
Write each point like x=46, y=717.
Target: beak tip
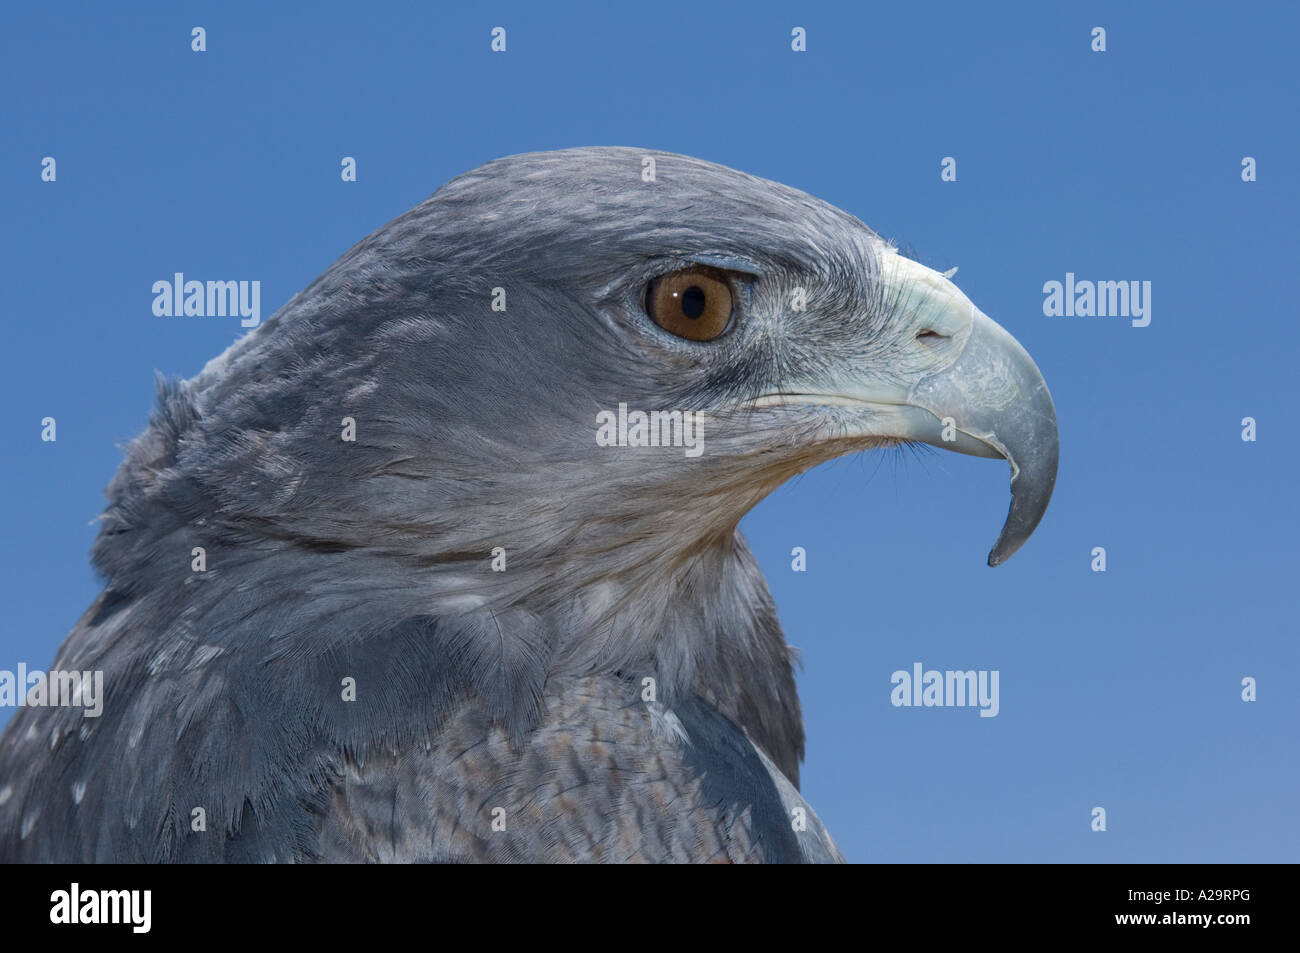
x=1000, y=554
x=1026, y=512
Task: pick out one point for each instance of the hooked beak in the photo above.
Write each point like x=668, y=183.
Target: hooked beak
x=995, y=396
x=967, y=386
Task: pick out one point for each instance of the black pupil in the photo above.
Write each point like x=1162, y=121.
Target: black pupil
x=693, y=301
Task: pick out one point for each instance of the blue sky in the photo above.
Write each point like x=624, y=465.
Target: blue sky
x=1119, y=689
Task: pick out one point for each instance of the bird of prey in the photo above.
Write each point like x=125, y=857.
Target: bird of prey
x=405, y=575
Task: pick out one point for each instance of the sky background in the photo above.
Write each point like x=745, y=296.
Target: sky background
x=1119, y=689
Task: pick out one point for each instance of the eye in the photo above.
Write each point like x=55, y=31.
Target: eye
x=694, y=303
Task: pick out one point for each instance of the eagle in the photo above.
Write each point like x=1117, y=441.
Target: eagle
x=441, y=563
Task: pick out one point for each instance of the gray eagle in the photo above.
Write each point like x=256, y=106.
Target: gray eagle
x=441, y=563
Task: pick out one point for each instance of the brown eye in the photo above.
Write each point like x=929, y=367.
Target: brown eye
x=694, y=303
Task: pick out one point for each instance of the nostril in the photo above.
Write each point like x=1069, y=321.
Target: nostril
x=930, y=337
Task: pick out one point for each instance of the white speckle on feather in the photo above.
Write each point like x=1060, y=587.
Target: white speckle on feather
x=665, y=725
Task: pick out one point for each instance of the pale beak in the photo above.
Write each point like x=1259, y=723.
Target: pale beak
x=962, y=383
